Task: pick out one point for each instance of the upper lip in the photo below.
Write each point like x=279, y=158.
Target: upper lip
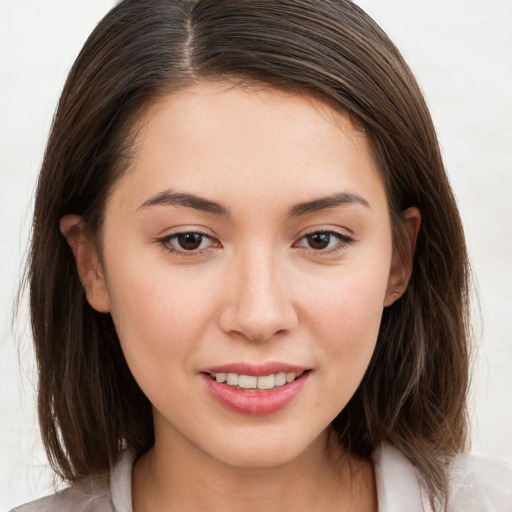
x=244, y=368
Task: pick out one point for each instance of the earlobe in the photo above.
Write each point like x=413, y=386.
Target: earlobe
x=87, y=262
x=403, y=254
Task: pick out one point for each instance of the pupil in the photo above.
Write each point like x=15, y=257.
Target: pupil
x=190, y=241
x=319, y=240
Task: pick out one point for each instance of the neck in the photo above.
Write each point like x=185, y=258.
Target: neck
x=173, y=478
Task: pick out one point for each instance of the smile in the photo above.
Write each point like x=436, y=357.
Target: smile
x=255, y=390
x=255, y=382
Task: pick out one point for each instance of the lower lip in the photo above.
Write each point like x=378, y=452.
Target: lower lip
x=255, y=403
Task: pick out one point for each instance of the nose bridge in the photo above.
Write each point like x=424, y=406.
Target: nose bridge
x=260, y=304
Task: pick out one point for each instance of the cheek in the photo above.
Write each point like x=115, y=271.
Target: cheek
x=160, y=316
x=344, y=315
x=347, y=327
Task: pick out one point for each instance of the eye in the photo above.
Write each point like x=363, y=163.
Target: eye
x=324, y=241
x=187, y=242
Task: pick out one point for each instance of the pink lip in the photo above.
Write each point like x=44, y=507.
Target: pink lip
x=255, y=403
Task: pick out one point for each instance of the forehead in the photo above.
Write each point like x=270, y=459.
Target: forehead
x=226, y=137
x=246, y=104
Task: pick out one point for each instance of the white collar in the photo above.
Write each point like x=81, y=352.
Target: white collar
x=398, y=486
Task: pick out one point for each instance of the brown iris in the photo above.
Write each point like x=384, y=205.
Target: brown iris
x=189, y=241
x=319, y=240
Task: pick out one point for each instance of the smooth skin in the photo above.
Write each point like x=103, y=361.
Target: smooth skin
x=251, y=226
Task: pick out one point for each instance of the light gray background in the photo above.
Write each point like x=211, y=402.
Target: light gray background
x=461, y=52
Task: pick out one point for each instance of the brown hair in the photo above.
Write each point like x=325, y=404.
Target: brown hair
x=413, y=394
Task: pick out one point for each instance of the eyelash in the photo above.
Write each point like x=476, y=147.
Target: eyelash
x=166, y=241
x=342, y=241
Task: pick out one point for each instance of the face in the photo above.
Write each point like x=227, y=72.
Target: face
x=246, y=261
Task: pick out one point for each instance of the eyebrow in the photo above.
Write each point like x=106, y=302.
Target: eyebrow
x=206, y=205
x=343, y=198
x=188, y=200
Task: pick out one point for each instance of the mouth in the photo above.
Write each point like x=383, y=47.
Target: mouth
x=256, y=382
x=255, y=390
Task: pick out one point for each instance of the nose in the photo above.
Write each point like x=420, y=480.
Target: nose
x=259, y=304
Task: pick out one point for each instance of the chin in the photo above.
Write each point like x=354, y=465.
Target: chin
x=273, y=449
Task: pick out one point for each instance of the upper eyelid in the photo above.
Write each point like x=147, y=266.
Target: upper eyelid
x=345, y=233
x=312, y=231
x=176, y=230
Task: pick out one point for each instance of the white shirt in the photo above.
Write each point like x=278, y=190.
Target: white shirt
x=477, y=484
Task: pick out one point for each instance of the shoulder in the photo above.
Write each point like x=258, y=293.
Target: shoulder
x=476, y=484
x=479, y=484
x=87, y=496
x=108, y=493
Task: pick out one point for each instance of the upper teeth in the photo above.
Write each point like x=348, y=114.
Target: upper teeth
x=255, y=382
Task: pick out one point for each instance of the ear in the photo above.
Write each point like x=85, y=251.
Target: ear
x=403, y=253
x=87, y=262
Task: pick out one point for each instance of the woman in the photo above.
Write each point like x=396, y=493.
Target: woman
x=248, y=277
